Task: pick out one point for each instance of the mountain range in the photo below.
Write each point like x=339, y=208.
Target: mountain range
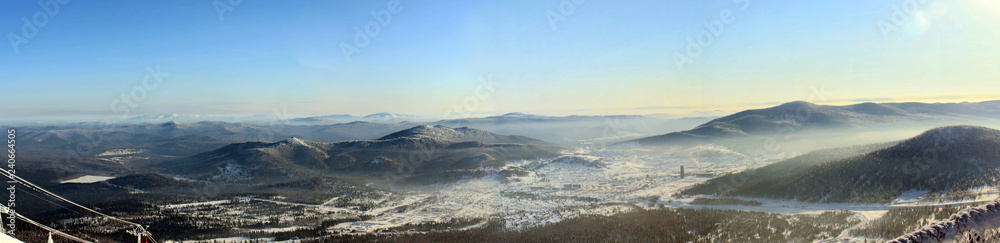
x=801, y=115
x=947, y=160
x=415, y=151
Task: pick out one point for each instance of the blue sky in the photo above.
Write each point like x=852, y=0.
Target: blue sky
x=603, y=57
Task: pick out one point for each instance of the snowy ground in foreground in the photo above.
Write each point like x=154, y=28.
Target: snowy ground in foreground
x=870, y=211
x=5, y=238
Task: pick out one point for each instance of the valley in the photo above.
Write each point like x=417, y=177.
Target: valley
x=432, y=180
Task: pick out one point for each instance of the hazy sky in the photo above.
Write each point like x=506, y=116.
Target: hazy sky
x=544, y=56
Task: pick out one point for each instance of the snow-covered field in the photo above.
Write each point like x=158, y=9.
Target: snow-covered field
x=121, y=152
x=538, y=192
x=123, y=156
x=532, y=193
x=88, y=179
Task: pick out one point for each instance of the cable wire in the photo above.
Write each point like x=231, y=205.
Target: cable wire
x=42, y=190
x=54, y=231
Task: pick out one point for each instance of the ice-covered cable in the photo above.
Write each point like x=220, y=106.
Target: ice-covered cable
x=971, y=220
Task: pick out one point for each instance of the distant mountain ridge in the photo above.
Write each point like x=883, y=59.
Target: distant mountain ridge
x=800, y=115
x=345, y=118
x=941, y=160
x=168, y=117
x=418, y=150
x=386, y=116
x=523, y=117
x=461, y=134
